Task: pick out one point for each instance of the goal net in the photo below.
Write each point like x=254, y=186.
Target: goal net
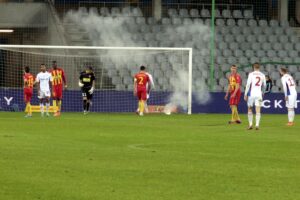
x=114, y=68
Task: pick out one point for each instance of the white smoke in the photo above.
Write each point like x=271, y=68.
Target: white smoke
x=119, y=31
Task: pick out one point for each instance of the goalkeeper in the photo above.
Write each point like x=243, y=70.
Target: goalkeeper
x=87, y=84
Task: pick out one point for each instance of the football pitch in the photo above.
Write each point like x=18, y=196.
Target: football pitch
x=126, y=157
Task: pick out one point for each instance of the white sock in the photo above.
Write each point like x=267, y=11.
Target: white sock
x=47, y=107
x=42, y=108
x=291, y=115
x=250, y=118
x=257, y=118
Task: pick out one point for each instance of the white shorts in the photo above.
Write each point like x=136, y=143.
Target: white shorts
x=291, y=102
x=254, y=101
x=44, y=94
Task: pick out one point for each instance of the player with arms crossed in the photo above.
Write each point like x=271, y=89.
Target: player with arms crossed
x=235, y=94
x=59, y=80
x=290, y=94
x=44, y=78
x=256, y=84
x=87, y=84
x=141, y=80
x=28, y=80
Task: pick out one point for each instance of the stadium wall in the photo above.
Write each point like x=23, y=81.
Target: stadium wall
x=113, y=101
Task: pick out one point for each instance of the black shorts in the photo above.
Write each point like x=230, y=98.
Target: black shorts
x=85, y=93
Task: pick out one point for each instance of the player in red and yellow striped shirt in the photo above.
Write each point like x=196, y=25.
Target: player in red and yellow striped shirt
x=28, y=80
x=234, y=88
x=59, y=81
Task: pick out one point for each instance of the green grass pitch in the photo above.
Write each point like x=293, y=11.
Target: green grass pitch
x=126, y=157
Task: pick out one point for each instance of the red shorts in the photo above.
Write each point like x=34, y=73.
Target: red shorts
x=142, y=94
x=236, y=100
x=57, y=92
x=27, y=95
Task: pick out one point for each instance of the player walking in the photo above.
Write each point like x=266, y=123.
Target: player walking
x=141, y=80
x=28, y=80
x=44, y=78
x=150, y=86
x=59, y=80
x=256, y=84
x=290, y=94
x=235, y=94
x=87, y=84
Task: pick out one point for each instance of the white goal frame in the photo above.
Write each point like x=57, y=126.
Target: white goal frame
x=189, y=50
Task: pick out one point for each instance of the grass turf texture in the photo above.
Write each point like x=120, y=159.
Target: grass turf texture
x=122, y=156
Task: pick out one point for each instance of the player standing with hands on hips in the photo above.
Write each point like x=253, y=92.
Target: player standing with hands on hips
x=87, y=84
x=59, y=81
x=256, y=84
x=290, y=94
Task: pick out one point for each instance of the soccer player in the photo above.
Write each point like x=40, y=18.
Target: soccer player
x=59, y=81
x=28, y=80
x=235, y=94
x=256, y=84
x=44, y=78
x=150, y=86
x=87, y=84
x=141, y=80
x=290, y=94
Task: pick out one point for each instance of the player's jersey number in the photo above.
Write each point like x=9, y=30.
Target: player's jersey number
x=257, y=81
x=141, y=80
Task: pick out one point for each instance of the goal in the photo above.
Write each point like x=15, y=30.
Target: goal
x=114, y=68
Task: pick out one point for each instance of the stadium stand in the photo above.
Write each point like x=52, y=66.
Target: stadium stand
x=240, y=39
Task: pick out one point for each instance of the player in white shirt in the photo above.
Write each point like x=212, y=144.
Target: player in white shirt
x=290, y=94
x=256, y=84
x=149, y=88
x=44, y=78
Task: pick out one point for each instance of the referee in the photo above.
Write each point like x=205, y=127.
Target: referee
x=87, y=84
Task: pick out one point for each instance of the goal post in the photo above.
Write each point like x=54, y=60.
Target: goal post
x=171, y=68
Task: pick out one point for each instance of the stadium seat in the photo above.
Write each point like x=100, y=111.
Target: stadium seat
x=166, y=21
x=184, y=13
x=249, y=53
x=237, y=14
x=274, y=23
x=220, y=22
x=172, y=12
x=151, y=21
x=115, y=12
x=230, y=22
x=104, y=11
x=176, y=21
x=140, y=20
x=187, y=21
x=263, y=23
x=226, y=14
x=94, y=10
x=252, y=23
x=205, y=13
x=241, y=22
x=194, y=13
x=137, y=12
x=248, y=14
x=266, y=46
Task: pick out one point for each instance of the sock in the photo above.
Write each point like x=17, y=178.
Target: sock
x=42, y=108
x=29, y=108
x=237, y=117
x=84, y=105
x=87, y=105
x=232, y=114
x=58, y=105
x=47, y=107
x=291, y=115
x=250, y=118
x=257, y=119
x=54, y=103
x=142, y=107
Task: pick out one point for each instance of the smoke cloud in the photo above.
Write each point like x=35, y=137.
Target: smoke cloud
x=123, y=31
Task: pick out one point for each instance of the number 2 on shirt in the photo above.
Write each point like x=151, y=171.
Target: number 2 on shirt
x=258, y=81
x=141, y=80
